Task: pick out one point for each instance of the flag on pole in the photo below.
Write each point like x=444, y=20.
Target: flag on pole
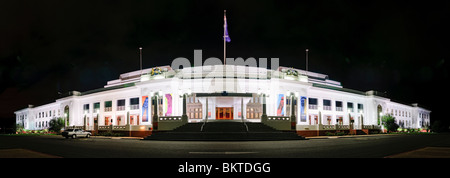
x=225, y=26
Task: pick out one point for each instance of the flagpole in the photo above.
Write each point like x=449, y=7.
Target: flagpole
x=224, y=45
x=224, y=40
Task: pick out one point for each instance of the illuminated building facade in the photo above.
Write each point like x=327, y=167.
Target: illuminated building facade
x=162, y=98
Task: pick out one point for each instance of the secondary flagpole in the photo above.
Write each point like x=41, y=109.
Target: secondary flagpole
x=140, y=58
x=307, y=61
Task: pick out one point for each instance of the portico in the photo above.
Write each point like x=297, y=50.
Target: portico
x=224, y=106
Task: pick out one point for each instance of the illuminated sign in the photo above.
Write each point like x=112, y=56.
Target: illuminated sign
x=302, y=109
x=145, y=109
x=280, y=105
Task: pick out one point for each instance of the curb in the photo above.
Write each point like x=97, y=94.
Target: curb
x=117, y=138
x=344, y=136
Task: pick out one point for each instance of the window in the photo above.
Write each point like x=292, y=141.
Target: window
x=108, y=106
x=338, y=105
x=312, y=103
x=327, y=105
x=196, y=112
x=350, y=107
x=360, y=108
x=134, y=103
x=96, y=107
x=86, y=108
x=120, y=105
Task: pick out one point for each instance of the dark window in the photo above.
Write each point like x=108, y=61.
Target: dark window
x=96, y=105
x=360, y=107
x=120, y=102
x=312, y=101
x=86, y=107
x=326, y=102
x=134, y=101
x=350, y=107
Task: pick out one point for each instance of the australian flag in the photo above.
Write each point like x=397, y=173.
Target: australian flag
x=225, y=26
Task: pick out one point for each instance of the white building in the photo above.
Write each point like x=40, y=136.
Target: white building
x=140, y=102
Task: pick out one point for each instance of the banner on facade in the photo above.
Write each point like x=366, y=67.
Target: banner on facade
x=280, y=105
x=168, y=104
x=302, y=109
x=145, y=109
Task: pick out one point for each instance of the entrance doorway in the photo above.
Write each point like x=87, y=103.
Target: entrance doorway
x=313, y=119
x=224, y=113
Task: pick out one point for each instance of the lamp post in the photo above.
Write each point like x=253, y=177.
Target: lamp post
x=319, y=122
x=155, y=110
x=381, y=120
x=361, y=120
x=184, y=117
x=264, y=110
x=291, y=110
x=65, y=120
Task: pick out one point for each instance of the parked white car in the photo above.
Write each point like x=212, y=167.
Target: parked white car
x=74, y=133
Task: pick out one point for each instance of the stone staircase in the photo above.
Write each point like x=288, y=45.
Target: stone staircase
x=225, y=131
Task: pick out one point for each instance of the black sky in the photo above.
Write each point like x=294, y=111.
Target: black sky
x=51, y=46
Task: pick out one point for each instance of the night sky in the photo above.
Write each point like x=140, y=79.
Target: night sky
x=397, y=47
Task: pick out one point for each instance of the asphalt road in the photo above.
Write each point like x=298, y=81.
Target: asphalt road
x=371, y=146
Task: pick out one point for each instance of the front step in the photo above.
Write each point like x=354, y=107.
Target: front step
x=224, y=136
x=224, y=131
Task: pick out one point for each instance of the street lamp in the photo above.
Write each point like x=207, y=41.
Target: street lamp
x=264, y=112
x=291, y=110
x=184, y=117
x=65, y=120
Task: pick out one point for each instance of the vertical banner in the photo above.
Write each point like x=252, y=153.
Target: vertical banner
x=303, y=109
x=280, y=105
x=145, y=109
x=168, y=104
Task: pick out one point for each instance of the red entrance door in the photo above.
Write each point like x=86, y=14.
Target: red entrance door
x=224, y=113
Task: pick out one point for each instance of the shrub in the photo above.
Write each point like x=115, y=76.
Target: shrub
x=389, y=123
x=56, y=124
x=438, y=126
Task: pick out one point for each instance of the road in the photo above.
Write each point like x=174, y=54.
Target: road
x=371, y=146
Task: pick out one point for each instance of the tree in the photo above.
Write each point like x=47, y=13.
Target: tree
x=438, y=126
x=389, y=123
x=56, y=124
